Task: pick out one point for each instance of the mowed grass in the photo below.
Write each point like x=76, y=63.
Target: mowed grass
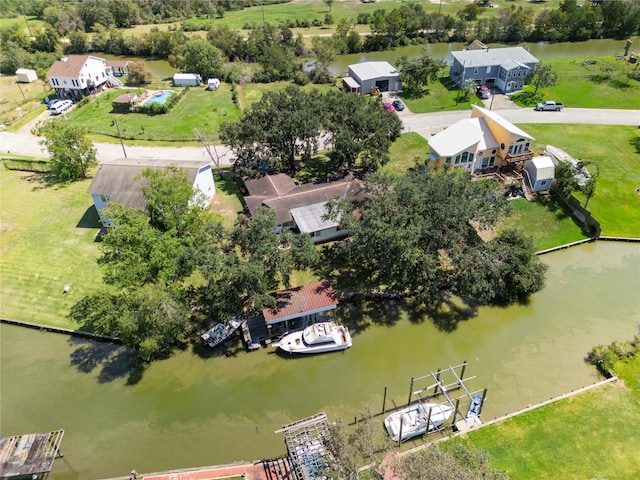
x=591, y=435
x=547, y=220
x=198, y=108
x=405, y=151
x=616, y=150
x=586, y=86
x=48, y=240
x=25, y=96
x=441, y=96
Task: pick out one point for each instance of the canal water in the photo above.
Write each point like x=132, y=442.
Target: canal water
x=198, y=408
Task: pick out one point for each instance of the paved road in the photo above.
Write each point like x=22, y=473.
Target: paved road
x=425, y=124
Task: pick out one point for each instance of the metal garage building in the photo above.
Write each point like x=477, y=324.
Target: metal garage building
x=372, y=75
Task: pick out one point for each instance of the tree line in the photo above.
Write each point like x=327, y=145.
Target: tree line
x=275, y=52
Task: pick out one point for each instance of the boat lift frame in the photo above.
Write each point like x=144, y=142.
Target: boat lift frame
x=440, y=388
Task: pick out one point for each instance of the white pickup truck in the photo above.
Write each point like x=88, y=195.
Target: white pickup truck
x=549, y=105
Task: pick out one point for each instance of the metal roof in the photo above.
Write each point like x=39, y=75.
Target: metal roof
x=310, y=219
x=462, y=135
x=504, y=123
x=370, y=70
x=304, y=300
x=493, y=56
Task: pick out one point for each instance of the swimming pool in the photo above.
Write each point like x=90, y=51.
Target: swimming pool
x=159, y=97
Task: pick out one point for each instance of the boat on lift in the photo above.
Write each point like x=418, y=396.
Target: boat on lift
x=416, y=420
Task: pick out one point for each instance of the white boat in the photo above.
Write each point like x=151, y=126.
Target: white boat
x=317, y=338
x=474, y=408
x=578, y=168
x=219, y=333
x=414, y=420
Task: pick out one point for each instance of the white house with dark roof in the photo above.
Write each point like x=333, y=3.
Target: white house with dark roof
x=115, y=182
x=300, y=207
x=503, y=68
x=363, y=76
x=480, y=143
x=76, y=76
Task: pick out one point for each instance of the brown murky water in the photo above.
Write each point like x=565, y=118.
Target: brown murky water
x=195, y=409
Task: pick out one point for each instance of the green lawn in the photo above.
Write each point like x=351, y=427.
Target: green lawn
x=548, y=221
x=586, y=86
x=405, y=151
x=591, y=435
x=616, y=149
x=48, y=241
x=440, y=96
x=198, y=108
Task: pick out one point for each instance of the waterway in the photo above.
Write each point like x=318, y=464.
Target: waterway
x=541, y=50
x=198, y=408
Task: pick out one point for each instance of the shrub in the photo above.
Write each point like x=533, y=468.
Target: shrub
x=300, y=78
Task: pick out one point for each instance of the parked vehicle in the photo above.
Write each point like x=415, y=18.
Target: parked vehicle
x=398, y=105
x=549, y=105
x=483, y=91
x=60, y=106
x=388, y=107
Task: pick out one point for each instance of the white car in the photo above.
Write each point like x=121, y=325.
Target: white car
x=60, y=106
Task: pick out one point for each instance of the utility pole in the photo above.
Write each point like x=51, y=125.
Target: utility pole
x=25, y=19
x=120, y=137
x=263, y=13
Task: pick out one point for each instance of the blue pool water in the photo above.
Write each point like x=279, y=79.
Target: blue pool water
x=159, y=97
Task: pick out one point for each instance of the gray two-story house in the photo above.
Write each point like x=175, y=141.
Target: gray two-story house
x=502, y=68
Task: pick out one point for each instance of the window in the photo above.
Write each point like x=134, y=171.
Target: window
x=489, y=69
x=464, y=157
x=543, y=182
x=488, y=161
x=105, y=198
x=475, y=71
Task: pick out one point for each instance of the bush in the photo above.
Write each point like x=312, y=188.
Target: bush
x=526, y=98
x=300, y=78
x=605, y=357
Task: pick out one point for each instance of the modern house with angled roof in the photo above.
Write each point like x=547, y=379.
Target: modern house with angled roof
x=503, y=68
x=367, y=75
x=115, y=182
x=300, y=207
x=481, y=143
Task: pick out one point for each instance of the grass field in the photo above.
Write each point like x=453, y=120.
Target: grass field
x=582, y=85
x=616, y=149
x=198, y=108
x=591, y=435
x=25, y=96
x=48, y=241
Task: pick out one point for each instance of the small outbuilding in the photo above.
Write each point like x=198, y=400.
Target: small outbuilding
x=213, y=83
x=187, y=80
x=125, y=101
x=541, y=173
x=373, y=76
x=26, y=75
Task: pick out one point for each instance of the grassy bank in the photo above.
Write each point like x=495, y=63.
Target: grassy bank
x=616, y=150
x=591, y=435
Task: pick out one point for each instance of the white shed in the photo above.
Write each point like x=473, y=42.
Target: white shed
x=187, y=80
x=213, y=83
x=26, y=75
x=541, y=173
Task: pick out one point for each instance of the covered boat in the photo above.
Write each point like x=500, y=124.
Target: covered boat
x=317, y=338
x=578, y=168
x=219, y=333
x=414, y=418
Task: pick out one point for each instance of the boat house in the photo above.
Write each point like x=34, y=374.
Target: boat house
x=295, y=308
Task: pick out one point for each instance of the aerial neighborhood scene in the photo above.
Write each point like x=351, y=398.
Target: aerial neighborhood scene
x=320, y=239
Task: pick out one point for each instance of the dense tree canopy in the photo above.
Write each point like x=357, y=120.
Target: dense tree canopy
x=286, y=124
x=439, y=252
x=197, y=56
x=154, y=253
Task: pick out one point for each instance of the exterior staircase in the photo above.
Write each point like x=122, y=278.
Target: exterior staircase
x=529, y=194
x=114, y=81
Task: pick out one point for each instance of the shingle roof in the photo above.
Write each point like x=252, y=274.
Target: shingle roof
x=493, y=56
x=117, y=179
x=295, y=302
x=70, y=66
x=297, y=196
x=125, y=98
